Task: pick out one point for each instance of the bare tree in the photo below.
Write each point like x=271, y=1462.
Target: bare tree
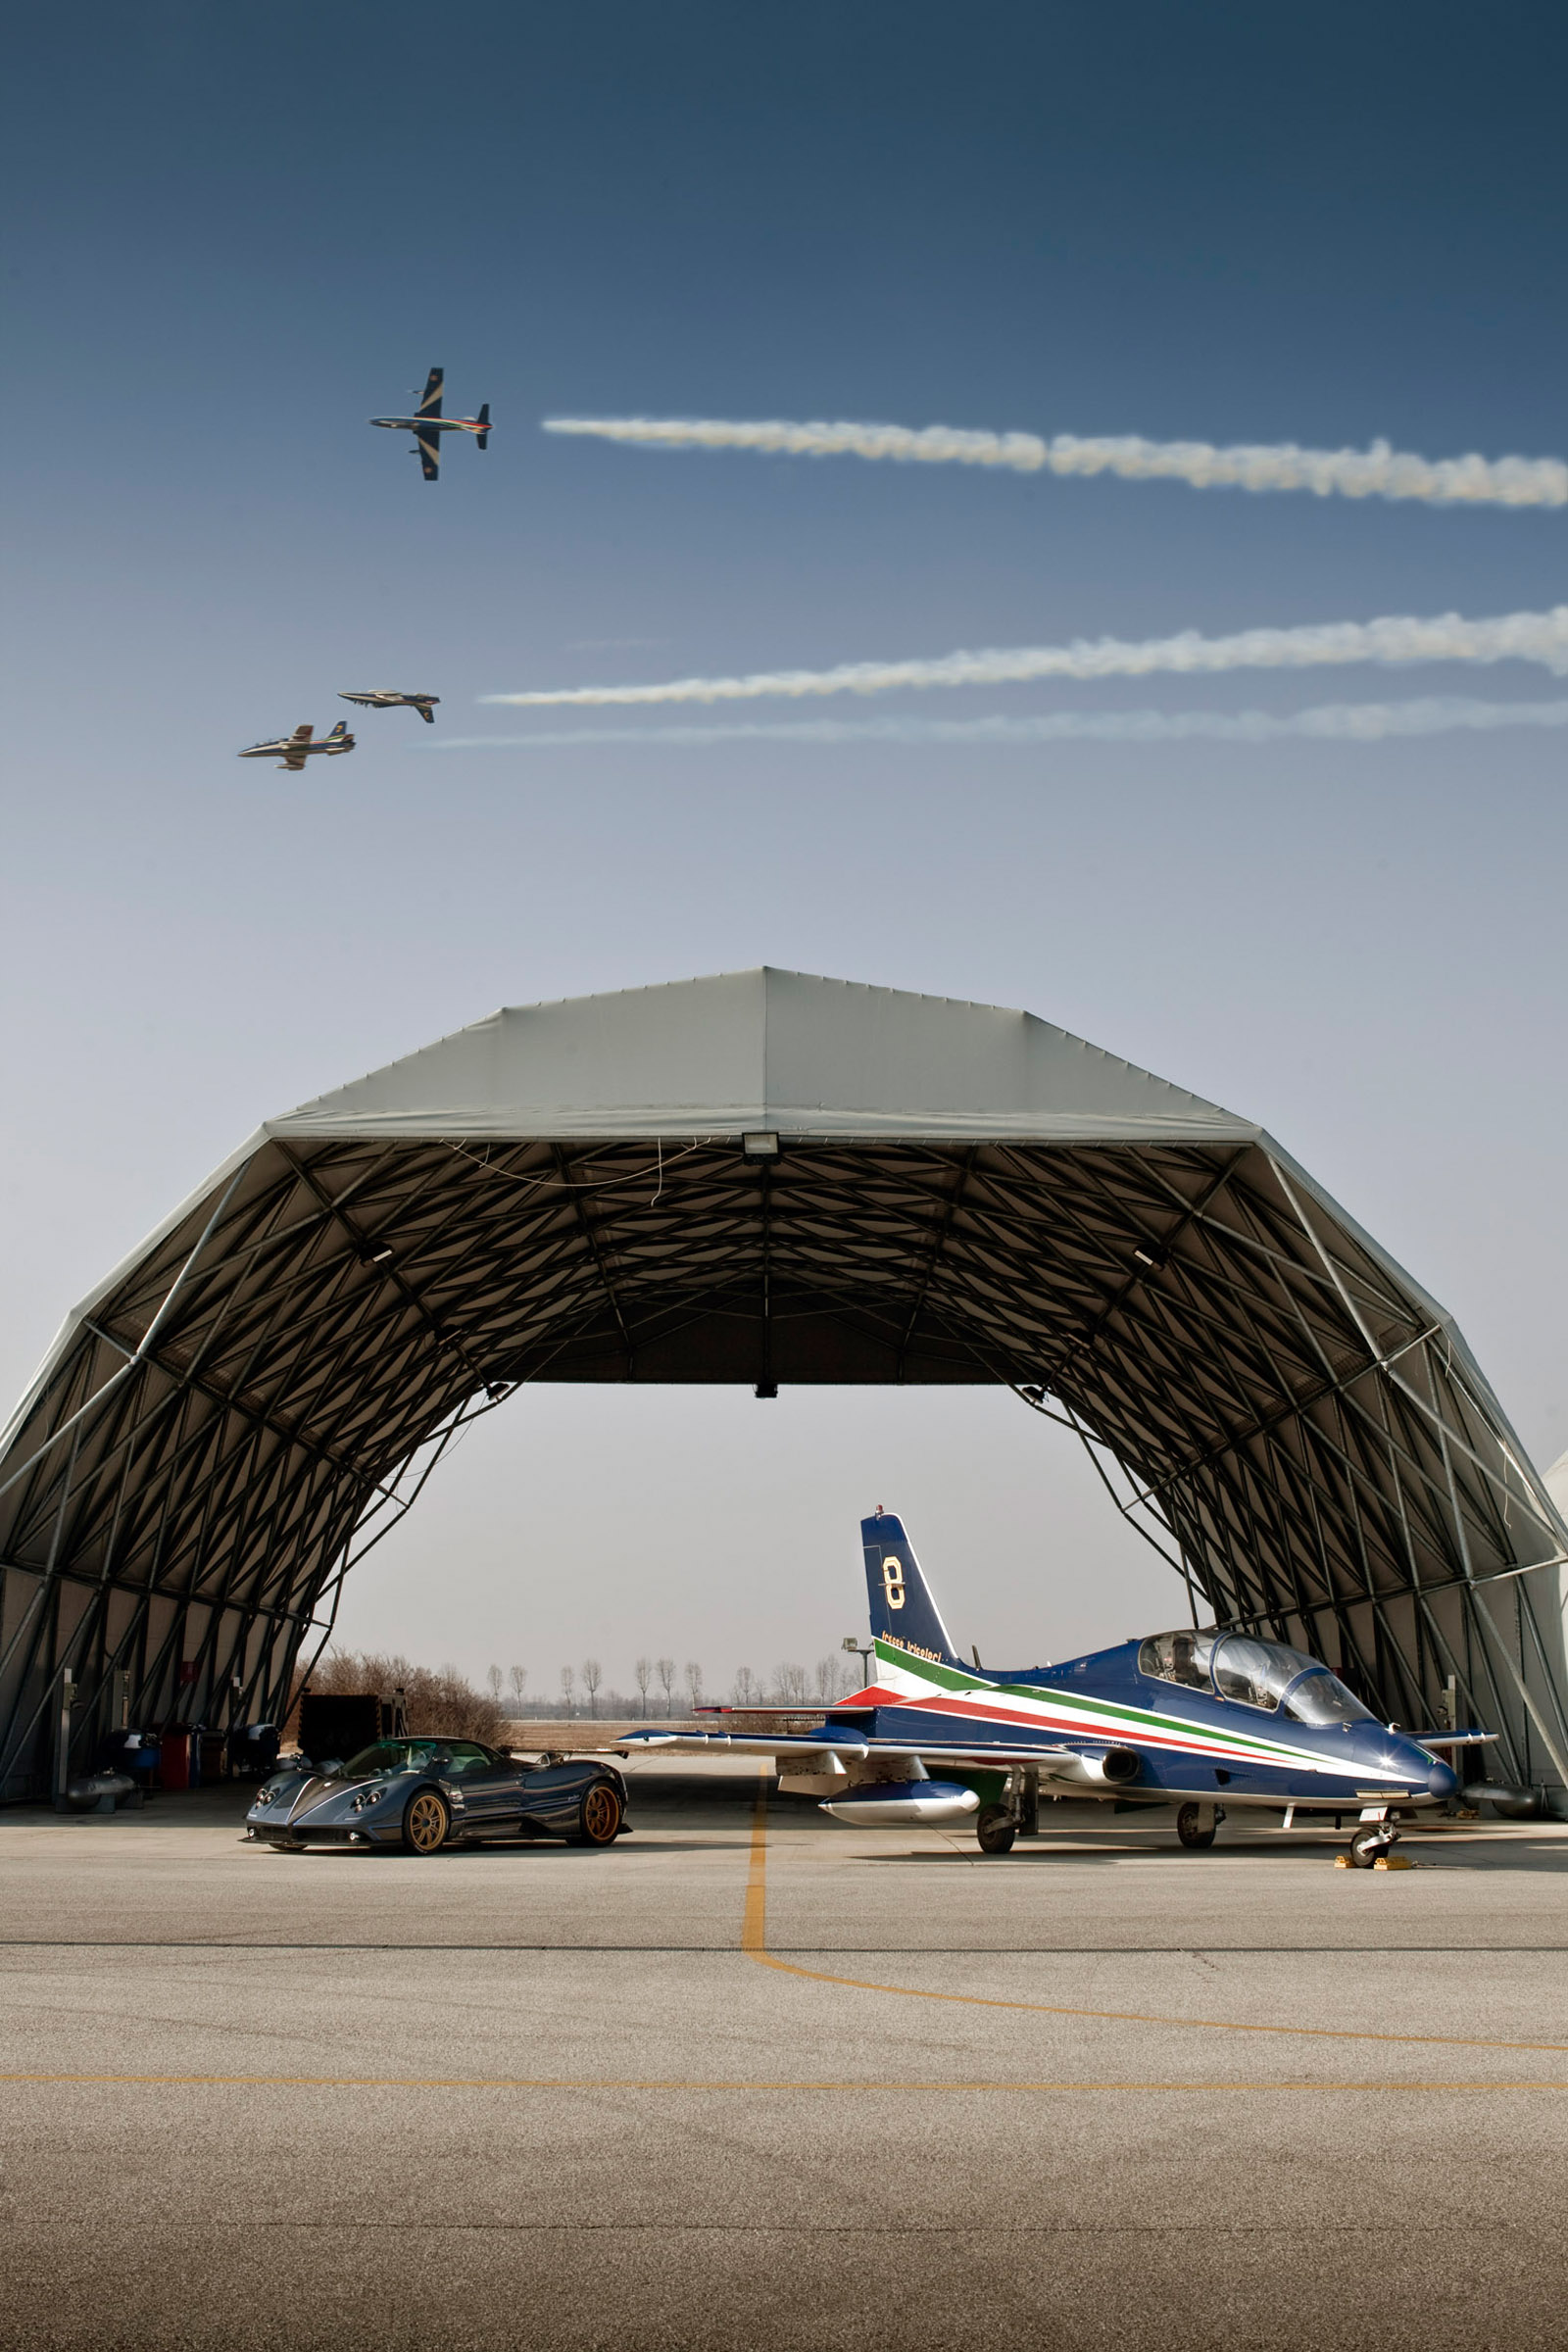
x=520, y=1684
x=694, y=1682
x=829, y=1679
x=790, y=1686
x=496, y=1682
x=665, y=1668
x=592, y=1674
x=745, y=1687
x=567, y=1681
x=644, y=1671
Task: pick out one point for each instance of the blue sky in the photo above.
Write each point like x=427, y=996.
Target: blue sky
x=236, y=235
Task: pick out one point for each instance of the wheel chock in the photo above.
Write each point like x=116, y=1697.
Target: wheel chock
x=1343, y=1862
x=1393, y=1862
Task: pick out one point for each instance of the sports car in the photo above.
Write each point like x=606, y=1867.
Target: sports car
x=423, y=1794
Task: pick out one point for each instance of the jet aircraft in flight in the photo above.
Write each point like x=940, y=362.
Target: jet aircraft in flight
x=427, y=424
x=1206, y=1719
x=385, y=698
x=292, y=751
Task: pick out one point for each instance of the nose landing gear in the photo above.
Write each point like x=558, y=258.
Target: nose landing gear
x=1371, y=1843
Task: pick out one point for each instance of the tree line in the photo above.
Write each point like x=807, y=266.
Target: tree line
x=442, y=1699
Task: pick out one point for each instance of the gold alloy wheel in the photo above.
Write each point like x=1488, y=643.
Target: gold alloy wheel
x=424, y=1824
x=600, y=1814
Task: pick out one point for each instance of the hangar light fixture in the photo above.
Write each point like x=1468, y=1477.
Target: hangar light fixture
x=763, y=1146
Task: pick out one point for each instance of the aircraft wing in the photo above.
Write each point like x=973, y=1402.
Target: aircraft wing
x=430, y=404
x=430, y=451
x=297, y=744
x=844, y=1742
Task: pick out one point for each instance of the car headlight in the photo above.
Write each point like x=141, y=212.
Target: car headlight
x=265, y=1796
x=366, y=1798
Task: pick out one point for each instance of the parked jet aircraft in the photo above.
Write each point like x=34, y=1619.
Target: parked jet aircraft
x=385, y=698
x=292, y=751
x=1206, y=1719
x=427, y=426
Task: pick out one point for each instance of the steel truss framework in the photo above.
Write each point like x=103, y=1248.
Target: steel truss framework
x=261, y=1396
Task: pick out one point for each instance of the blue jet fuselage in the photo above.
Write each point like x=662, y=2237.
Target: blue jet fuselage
x=432, y=424
x=1168, y=1739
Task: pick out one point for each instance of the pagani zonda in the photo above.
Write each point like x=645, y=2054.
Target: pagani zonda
x=423, y=1794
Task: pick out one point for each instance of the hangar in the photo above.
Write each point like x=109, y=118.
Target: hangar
x=767, y=1178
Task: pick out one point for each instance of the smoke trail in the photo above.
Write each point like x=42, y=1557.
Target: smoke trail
x=1334, y=722
x=1540, y=637
x=1375, y=473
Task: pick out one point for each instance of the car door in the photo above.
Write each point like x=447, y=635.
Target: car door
x=487, y=1783
x=551, y=1793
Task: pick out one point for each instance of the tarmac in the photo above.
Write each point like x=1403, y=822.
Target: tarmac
x=759, y=2081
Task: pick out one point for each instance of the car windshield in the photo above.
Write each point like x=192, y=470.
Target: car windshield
x=1320, y=1697
x=394, y=1755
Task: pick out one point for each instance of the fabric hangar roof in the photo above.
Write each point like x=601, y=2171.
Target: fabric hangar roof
x=765, y=1049
x=776, y=1179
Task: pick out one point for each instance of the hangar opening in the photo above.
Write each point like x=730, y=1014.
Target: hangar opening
x=772, y=1179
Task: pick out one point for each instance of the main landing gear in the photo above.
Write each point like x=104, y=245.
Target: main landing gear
x=1196, y=1825
x=995, y=1828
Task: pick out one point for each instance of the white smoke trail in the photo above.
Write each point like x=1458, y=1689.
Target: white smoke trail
x=1540, y=637
x=1378, y=471
x=1334, y=722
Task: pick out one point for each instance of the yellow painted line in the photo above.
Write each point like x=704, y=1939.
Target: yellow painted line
x=754, y=1918
x=663, y=2084
x=753, y=1944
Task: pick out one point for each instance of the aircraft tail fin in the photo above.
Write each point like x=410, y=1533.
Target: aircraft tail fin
x=339, y=733
x=484, y=426
x=901, y=1602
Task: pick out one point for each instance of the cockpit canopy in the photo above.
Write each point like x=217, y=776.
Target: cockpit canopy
x=1254, y=1673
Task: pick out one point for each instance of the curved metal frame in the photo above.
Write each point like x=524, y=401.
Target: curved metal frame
x=259, y=1395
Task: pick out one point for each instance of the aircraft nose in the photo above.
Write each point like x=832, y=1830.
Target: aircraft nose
x=1442, y=1781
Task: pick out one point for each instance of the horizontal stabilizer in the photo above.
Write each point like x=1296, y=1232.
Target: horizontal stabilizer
x=841, y=1706
x=750, y=1743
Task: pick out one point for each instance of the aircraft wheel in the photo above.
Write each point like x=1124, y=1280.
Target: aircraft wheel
x=1190, y=1828
x=1367, y=1844
x=598, y=1820
x=425, y=1823
x=996, y=1829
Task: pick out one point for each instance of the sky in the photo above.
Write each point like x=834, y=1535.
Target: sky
x=236, y=235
